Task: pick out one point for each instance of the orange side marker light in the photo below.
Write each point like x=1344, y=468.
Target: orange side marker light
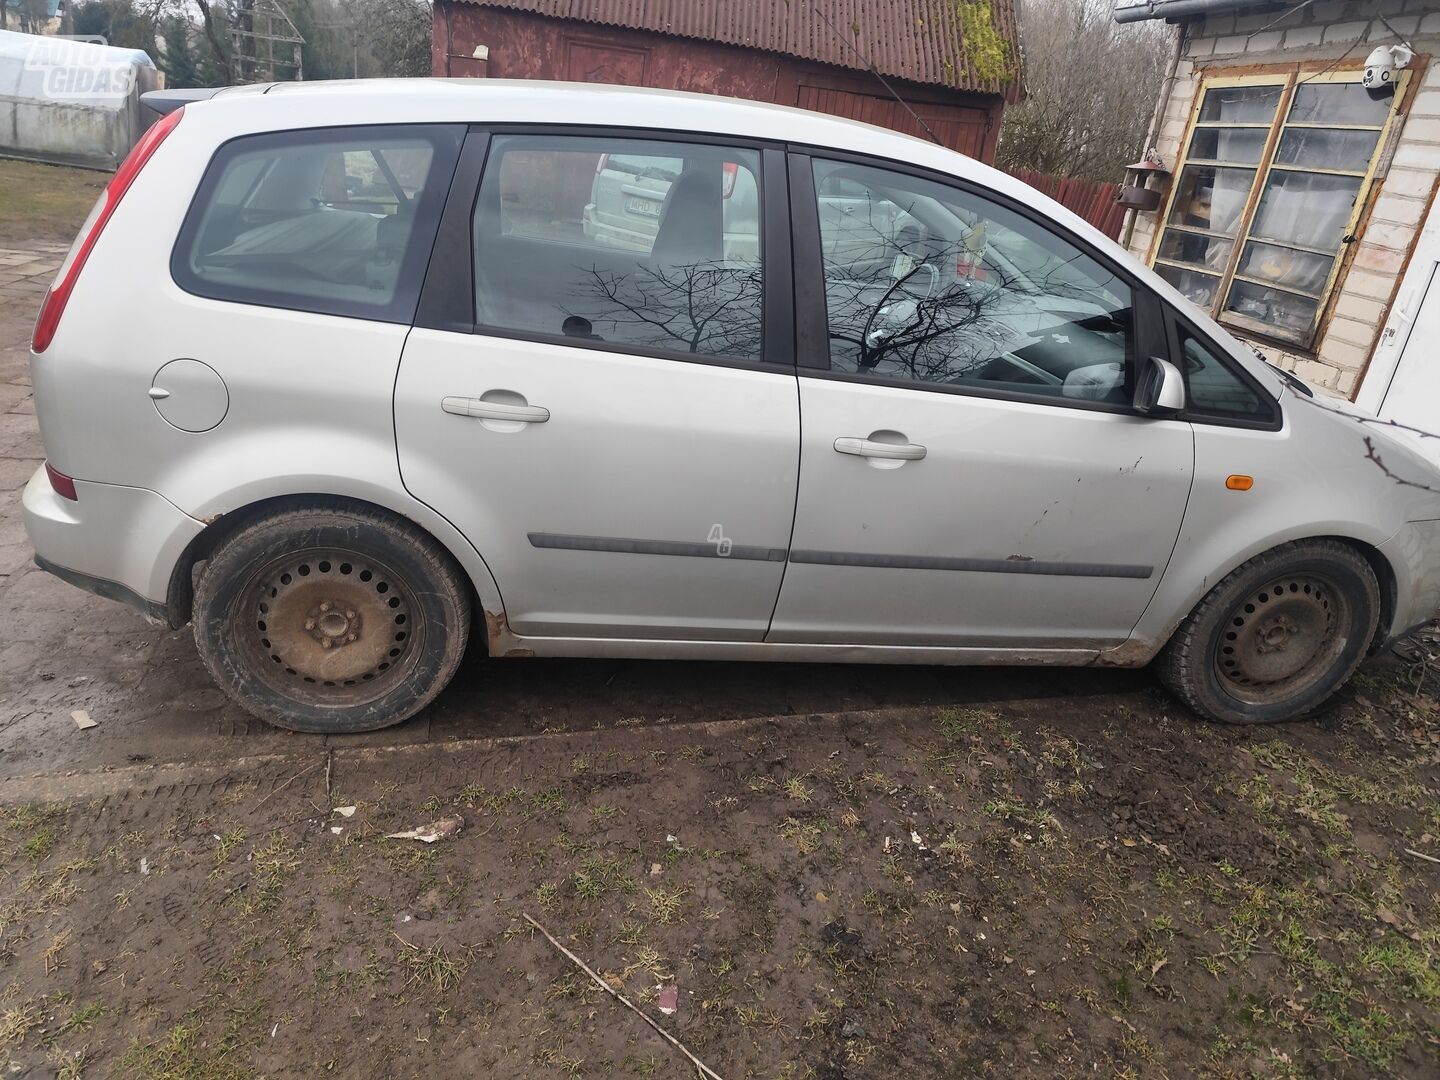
x=1239, y=482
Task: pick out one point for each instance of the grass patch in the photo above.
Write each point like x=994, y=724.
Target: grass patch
x=17, y=1021
x=1411, y=968
x=80, y=1019
x=45, y=202
x=598, y=876
x=432, y=967
x=188, y=1052
x=959, y=723
x=39, y=845
x=665, y=903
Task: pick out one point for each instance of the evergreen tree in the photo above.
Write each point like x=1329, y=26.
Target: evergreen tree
x=179, y=60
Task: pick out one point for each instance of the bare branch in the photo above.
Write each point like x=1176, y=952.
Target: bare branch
x=1371, y=454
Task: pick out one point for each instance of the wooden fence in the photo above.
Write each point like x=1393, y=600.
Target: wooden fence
x=1091, y=199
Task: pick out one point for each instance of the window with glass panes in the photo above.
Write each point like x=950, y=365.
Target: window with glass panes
x=1274, y=177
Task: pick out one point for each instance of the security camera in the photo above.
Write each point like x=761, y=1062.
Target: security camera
x=1380, y=68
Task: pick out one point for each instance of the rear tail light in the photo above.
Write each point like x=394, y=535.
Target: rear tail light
x=601, y=163
x=64, y=485
x=104, y=209
x=732, y=170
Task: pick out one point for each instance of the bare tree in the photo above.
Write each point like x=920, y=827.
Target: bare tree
x=215, y=34
x=894, y=308
x=398, y=34
x=702, y=307
x=1091, y=86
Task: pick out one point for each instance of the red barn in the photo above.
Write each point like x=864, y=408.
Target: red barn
x=955, y=62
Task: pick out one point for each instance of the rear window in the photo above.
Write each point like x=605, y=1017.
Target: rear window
x=659, y=168
x=337, y=221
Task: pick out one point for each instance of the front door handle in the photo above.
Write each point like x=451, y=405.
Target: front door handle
x=872, y=449
x=495, y=410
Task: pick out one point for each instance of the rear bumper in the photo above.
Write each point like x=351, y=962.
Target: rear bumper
x=1414, y=554
x=110, y=590
x=122, y=543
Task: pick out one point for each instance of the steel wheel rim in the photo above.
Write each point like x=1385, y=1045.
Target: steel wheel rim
x=1283, y=639
x=329, y=627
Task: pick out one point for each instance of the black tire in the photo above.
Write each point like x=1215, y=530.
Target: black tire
x=1277, y=637
x=331, y=620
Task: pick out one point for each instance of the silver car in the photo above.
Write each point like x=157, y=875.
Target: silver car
x=344, y=374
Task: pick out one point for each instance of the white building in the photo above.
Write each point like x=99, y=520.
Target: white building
x=1298, y=210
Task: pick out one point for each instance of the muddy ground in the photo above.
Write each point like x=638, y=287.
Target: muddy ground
x=844, y=871
x=1037, y=888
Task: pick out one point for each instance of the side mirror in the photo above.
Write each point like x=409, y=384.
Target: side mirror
x=1160, y=389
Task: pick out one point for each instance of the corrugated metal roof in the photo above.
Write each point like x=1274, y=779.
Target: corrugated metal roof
x=919, y=40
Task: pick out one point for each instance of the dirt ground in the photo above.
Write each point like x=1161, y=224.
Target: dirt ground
x=1037, y=888
x=845, y=872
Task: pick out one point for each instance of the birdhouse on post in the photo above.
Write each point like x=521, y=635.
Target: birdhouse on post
x=1144, y=183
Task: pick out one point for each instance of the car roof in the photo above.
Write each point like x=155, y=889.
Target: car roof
x=535, y=101
x=642, y=106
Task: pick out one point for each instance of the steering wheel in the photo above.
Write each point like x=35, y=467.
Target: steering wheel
x=898, y=303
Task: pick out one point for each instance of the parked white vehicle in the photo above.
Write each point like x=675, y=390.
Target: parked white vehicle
x=335, y=370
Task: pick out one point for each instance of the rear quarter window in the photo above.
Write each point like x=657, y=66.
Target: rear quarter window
x=337, y=221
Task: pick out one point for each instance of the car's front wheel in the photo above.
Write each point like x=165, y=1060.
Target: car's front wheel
x=1277, y=637
x=331, y=620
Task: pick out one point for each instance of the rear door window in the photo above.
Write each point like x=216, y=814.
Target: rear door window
x=645, y=244
x=336, y=221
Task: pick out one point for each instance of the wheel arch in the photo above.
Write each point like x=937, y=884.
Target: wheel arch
x=1385, y=576
x=1142, y=648
x=181, y=592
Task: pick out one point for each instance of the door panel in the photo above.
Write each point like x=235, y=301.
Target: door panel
x=1023, y=525
x=612, y=438
x=654, y=501
x=971, y=472
x=1401, y=382
x=1414, y=390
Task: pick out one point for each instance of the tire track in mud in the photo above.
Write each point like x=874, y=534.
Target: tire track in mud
x=418, y=762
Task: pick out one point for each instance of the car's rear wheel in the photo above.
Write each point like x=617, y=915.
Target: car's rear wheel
x=331, y=620
x=1277, y=637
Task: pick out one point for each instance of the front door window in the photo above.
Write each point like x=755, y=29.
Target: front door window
x=927, y=283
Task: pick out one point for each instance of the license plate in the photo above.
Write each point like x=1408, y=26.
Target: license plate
x=636, y=205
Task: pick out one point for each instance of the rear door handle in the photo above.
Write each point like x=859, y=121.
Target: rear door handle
x=872, y=449
x=494, y=410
